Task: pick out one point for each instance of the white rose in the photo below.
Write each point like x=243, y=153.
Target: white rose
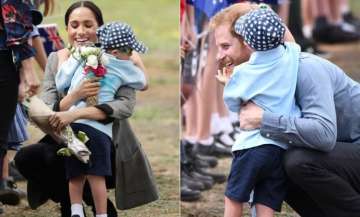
x=86, y=51
x=92, y=61
x=104, y=59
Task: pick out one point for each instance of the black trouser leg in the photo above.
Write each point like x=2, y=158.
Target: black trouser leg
x=331, y=180
x=9, y=82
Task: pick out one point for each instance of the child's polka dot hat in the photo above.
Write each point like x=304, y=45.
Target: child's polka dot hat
x=116, y=34
x=262, y=29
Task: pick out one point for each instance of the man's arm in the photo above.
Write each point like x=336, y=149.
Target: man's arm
x=316, y=128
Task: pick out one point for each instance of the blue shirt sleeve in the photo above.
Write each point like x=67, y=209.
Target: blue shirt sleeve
x=316, y=127
x=17, y=25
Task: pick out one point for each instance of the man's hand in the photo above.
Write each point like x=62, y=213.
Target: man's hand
x=60, y=119
x=250, y=116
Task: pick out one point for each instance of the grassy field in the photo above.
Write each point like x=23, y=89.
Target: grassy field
x=157, y=113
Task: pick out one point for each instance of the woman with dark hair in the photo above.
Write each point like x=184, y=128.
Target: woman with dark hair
x=48, y=182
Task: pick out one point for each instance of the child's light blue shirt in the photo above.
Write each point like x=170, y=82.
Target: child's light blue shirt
x=118, y=73
x=269, y=80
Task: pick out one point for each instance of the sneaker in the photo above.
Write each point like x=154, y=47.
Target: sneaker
x=75, y=215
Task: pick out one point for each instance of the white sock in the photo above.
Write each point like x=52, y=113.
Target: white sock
x=215, y=124
x=234, y=117
x=77, y=209
x=307, y=31
x=207, y=141
x=226, y=124
x=190, y=139
x=101, y=215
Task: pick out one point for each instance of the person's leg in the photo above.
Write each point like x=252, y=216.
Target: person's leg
x=98, y=189
x=263, y=211
x=76, y=186
x=232, y=208
x=9, y=81
x=301, y=202
x=207, y=93
x=190, y=109
x=328, y=178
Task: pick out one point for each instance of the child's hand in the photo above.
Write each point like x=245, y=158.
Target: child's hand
x=224, y=74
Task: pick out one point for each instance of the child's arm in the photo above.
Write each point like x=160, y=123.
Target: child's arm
x=136, y=59
x=288, y=37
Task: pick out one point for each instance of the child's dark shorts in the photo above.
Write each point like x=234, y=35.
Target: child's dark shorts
x=100, y=146
x=259, y=169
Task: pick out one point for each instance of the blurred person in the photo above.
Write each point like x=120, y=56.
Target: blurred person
x=16, y=59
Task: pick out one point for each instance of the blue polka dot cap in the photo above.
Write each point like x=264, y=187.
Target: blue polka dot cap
x=262, y=29
x=116, y=34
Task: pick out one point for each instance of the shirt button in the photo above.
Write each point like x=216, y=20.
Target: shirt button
x=268, y=135
x=290, y=142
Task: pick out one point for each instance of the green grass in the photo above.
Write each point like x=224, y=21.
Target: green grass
x=154, y=22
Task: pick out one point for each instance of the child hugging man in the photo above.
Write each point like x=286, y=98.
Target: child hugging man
x=268, y=79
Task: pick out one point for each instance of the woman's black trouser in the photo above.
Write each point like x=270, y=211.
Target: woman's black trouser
x=9, y=82
x=324, y=184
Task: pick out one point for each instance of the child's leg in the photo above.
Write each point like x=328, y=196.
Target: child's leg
x=98, y=189
x=263, y=211
x=232, y=208
x=76, y=186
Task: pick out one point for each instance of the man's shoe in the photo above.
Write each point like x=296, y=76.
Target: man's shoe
x=189, y=195
x=214, y=149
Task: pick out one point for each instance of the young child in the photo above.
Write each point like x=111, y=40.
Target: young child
x=118, y=40
x=269, y=80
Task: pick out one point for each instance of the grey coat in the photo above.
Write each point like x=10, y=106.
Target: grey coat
x=135, y=184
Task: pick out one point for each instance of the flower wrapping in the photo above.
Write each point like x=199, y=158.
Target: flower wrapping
x=39, y=114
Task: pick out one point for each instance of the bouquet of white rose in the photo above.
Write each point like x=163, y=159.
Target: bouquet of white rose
x=94, y=64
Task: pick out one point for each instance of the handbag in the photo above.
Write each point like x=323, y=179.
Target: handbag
x=135, y=182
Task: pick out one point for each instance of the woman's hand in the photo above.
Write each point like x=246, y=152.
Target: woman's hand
x=31, y=80
x=59, y=120
x=89, y=87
